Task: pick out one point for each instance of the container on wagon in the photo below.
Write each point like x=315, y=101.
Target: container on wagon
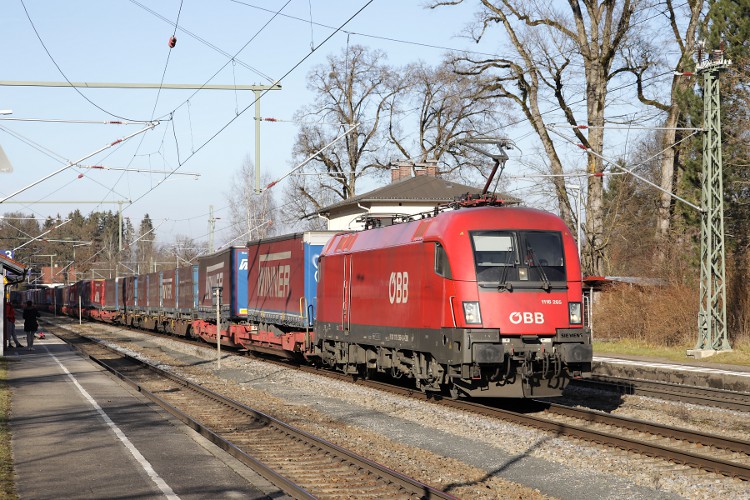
x=187, y=288
x=92, y=293
x=130, y=292
x=168, y=290
x=283, y=278
x=153, y=289
x=226, y=269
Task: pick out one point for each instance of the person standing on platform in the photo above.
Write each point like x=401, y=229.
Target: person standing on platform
x=10, y=324
x=30, y=324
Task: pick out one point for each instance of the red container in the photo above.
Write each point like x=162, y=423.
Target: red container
x=93, y=294
x=152, y=289
x=130, y=291
x=187, y=288
x=112, y=292
x=282, y=278
x=168, y=289
x=226, y=269
x=71, y=295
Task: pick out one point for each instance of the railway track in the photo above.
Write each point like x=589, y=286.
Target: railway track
x=707, y=452
x=697, y=450
x=299, y=463
x=716, y=398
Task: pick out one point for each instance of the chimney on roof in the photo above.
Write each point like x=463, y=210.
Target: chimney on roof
x=405, y=169
x=429, y=167
x=400, y=170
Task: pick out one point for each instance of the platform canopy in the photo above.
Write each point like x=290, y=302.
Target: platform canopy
x=15, y=267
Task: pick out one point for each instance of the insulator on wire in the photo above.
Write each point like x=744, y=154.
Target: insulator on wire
x=172, y=41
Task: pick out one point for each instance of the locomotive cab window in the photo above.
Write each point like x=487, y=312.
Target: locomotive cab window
x=442, y=266
x=520, y=259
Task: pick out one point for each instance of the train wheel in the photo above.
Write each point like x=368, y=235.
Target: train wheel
x=365, y=373
x=453, y=391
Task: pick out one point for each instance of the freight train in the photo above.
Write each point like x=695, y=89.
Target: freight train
x=477, y=301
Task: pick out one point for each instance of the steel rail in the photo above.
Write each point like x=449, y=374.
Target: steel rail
x=386, y=475
x=718, y=398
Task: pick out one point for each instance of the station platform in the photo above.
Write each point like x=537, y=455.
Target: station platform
x=707, y=375
x=79, y=432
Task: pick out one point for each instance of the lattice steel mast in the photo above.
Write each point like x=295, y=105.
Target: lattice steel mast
x=712, y=318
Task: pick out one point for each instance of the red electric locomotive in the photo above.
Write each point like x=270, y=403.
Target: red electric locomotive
x=484, y=301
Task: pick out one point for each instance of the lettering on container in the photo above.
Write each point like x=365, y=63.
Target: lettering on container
x=273, y=281
x=315, y=260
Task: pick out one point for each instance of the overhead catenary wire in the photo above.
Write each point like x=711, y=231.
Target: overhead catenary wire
x=290, y=71
x=60, y=120
x=84, y=158
x=41, y=235
x=166, y=64
x=176, y=145
x=59, y=69
x=203, y=41
x=630, y=171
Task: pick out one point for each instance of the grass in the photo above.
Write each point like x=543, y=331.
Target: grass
x=7, y=484
x=740, y=354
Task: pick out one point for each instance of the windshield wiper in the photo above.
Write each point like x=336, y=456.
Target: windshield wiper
x=542, y=274
x=503, y=284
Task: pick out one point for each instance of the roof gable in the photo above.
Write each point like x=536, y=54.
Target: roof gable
x=423, y=188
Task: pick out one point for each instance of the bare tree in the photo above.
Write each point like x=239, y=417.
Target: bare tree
x=353, y=87
x=184, y=251
x=434, y=107
x=684, y=23
x=251, y=215
x=552, y=47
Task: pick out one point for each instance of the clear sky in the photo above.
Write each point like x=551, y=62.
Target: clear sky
x=211, y=132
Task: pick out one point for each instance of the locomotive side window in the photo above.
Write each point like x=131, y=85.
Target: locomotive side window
x=442, y=266
x=520, y=259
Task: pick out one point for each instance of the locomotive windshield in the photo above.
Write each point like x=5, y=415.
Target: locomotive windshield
x=521, y=259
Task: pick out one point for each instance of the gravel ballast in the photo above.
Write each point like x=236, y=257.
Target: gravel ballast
x=467, y=455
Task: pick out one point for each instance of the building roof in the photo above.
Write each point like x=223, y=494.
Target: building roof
x=423, y=188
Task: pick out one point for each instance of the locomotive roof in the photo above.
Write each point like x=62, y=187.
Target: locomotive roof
x=422, y=188
x=430, y=228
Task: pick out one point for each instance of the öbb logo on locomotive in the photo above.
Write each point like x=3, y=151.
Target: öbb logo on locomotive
x=398, y=287
x=527, y=318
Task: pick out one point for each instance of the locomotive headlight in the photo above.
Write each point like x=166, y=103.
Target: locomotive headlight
x=472, y=315
x=574, y=308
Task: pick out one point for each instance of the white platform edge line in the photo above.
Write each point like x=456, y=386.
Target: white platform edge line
x=160, y=483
